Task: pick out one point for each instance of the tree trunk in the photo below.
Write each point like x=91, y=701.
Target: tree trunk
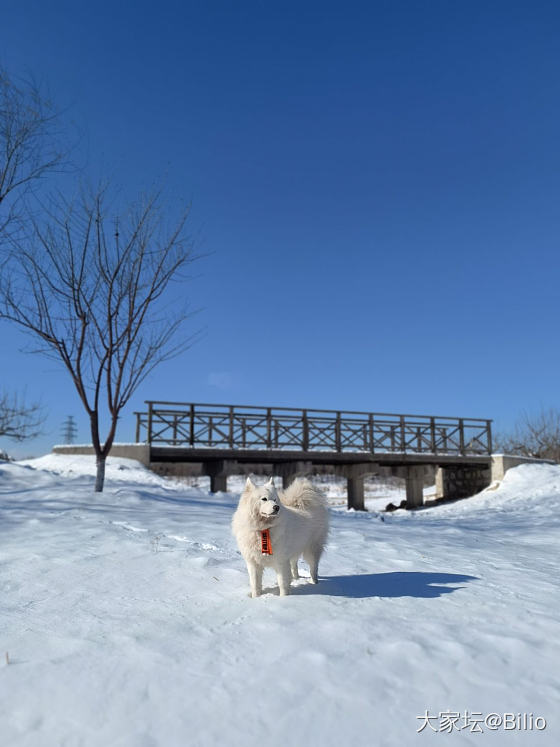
x=100, y=477
x=100, y=454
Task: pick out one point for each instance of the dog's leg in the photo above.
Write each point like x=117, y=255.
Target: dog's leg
x=294, y=567
x=255, y=578
x=312, y=559
x=284, y=574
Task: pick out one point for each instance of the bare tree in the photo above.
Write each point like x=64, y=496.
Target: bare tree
x=90, y=289
x=19, y=420
x=30, y=146
x=534, y=436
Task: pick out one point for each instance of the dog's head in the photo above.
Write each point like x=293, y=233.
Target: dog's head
x=263, y=501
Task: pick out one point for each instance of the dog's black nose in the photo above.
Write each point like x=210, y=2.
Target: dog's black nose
x=276, y=509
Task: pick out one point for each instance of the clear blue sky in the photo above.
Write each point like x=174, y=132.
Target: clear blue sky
x=376, y=185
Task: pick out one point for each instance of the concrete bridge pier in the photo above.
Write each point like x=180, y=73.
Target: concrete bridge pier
x=355, y=475
x=355, y=492
x=414, y=478
x=218, y=473
x=290, y=470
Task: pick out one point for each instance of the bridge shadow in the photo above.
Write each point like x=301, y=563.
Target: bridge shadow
x=396, y=584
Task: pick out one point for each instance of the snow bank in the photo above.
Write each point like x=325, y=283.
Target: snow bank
x=117, y=469
x=127, y=621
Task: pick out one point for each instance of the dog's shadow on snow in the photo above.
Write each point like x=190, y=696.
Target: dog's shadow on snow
x=396, y=584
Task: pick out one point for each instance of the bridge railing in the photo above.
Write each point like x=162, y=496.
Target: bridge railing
x=196, y=425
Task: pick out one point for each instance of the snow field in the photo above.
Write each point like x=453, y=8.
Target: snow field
x=127, y=620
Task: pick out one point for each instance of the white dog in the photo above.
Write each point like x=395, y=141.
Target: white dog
x=273, y=531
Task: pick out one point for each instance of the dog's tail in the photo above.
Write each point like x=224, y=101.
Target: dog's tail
x=303, y=495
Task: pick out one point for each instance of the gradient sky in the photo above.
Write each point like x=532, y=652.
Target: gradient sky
x=375, y=185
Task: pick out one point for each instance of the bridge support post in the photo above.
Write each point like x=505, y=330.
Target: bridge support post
x=355, y=475
x=218, y=483
x=355, y=492
x=290, y=470
x=287, y=479
x=217, y=472
x=414, y=486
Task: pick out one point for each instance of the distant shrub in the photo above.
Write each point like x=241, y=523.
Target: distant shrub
x=534, y=436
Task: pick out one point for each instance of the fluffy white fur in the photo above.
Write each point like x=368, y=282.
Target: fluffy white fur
x=298, y=524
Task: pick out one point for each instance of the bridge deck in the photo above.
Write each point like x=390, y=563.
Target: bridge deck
x=265, y=456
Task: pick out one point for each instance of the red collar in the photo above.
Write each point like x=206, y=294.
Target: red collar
x=266, y=546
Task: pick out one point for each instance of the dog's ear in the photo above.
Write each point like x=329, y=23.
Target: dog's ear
x=271, y=482
x=249, y=485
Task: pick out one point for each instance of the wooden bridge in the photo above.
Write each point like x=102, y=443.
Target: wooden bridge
x=221, y=440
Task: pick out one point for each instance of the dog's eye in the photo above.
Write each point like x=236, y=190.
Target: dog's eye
x=264, y=499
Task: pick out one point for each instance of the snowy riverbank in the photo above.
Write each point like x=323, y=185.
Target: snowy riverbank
x=126, y=620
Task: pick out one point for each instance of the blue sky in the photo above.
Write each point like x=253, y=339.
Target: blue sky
x=375, y=187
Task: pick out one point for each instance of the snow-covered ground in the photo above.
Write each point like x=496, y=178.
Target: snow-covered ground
x=125, y=619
